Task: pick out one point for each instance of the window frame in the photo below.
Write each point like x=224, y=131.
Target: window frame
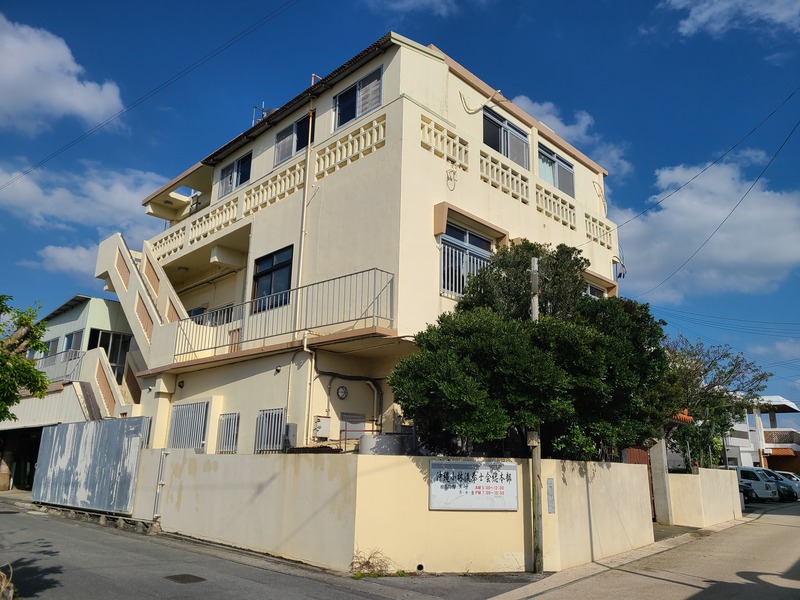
x=358, y=110
x=298, y=144
x=230, y=177
x=507, y=130
x=274, y=299
x=558, y=161
x=470, y=253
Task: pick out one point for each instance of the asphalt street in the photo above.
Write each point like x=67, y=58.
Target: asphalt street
x=54, y=557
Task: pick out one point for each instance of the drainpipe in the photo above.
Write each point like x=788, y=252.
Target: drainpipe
x=309, y=170
x=311, y=370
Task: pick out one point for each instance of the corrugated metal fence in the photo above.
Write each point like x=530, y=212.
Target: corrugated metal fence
x=92, y=465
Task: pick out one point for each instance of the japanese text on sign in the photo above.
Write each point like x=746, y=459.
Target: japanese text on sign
x=473, y=485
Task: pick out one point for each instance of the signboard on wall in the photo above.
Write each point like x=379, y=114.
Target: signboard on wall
x=472, y=485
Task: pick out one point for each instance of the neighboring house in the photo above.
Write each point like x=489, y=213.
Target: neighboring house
x=303, y=255
x=88, y=341
x=750, y=444
x=777, y=448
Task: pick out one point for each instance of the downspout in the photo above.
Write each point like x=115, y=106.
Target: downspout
x=311, y=370
x=306, y=185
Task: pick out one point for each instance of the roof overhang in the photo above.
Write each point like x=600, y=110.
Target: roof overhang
x=359, y=60
x=777, y=404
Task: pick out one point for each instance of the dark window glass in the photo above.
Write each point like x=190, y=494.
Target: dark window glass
x=491, y=134
x=272, y=280
x=346, y=106
x=243, y=169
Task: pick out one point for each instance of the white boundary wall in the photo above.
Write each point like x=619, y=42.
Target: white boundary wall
x=705, y=499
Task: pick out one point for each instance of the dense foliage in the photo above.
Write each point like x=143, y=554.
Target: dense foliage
x=718, y=386
x=20, y=333
x=584, y=372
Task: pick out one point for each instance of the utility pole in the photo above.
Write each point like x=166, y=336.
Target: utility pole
x=535, y=446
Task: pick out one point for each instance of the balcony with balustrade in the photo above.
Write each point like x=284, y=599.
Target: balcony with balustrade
x=61, y=367
x=358, y=302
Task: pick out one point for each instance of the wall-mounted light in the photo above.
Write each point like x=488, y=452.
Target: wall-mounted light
x=181, y=384
x=341, y=392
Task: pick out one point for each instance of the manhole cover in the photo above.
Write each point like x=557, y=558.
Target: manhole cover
x=184, y=578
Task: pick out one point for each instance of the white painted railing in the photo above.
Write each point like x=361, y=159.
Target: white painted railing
x=504, y=177
x=456, y=266
x=444, y=143
x=598, y=230
x=351, y=147
x=362, y=299
x=64, y=366
x=556, y=207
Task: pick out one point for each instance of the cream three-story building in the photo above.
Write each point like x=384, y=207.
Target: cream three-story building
x=303, y=255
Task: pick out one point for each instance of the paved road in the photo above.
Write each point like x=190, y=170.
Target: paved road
x=54, y=557
x=758, y=560
x=57, y=558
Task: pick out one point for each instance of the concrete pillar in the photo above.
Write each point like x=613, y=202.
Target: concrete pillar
x=660, y=476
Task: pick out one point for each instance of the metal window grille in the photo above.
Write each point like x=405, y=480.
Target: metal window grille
x=457, y=265
x=146, y=432
x=270, y=427
x=187, y=428
x=228, y=436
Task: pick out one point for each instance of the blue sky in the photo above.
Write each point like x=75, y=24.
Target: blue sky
x=656, y=92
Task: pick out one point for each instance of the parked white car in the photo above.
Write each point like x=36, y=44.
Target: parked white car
x=763, y=487
x=789, y=479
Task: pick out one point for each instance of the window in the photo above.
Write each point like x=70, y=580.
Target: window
x=272, y=278
x=228, y=433
x=463, y=254
x=748, y=475
x=556, y=171
x=359, y=99
x=72, y=341
x=187, y=428
x=50, y=353
x=594, y=291
x=505, y=137
x=270, y=430
x=116, y=346
x=235, y=174
x=293, y=139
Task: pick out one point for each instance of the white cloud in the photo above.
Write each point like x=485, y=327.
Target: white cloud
x=41, y=82
x=579, y=133
x=84, y=207
x=440, y=8
x=78, y=261
x=754, y=251
x=716, y=17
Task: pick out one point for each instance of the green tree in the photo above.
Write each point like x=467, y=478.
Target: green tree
x=717, y=385
x=504, y=285
x=584, y=372
x=20, y=333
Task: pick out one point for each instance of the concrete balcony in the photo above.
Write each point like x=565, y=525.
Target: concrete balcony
x=349, y=303
x=61, y=367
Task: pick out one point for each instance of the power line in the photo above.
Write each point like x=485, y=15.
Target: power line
x=713, y=233
x=709, y=165
x=159, y=88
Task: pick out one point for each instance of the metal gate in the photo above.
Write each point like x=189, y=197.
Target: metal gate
x=91, y=465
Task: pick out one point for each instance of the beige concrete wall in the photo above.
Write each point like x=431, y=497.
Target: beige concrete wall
x=393, y=517
x=321, y=509
x=705, y=499
x=300, y=507
x=601, y=509
x=147, y=488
